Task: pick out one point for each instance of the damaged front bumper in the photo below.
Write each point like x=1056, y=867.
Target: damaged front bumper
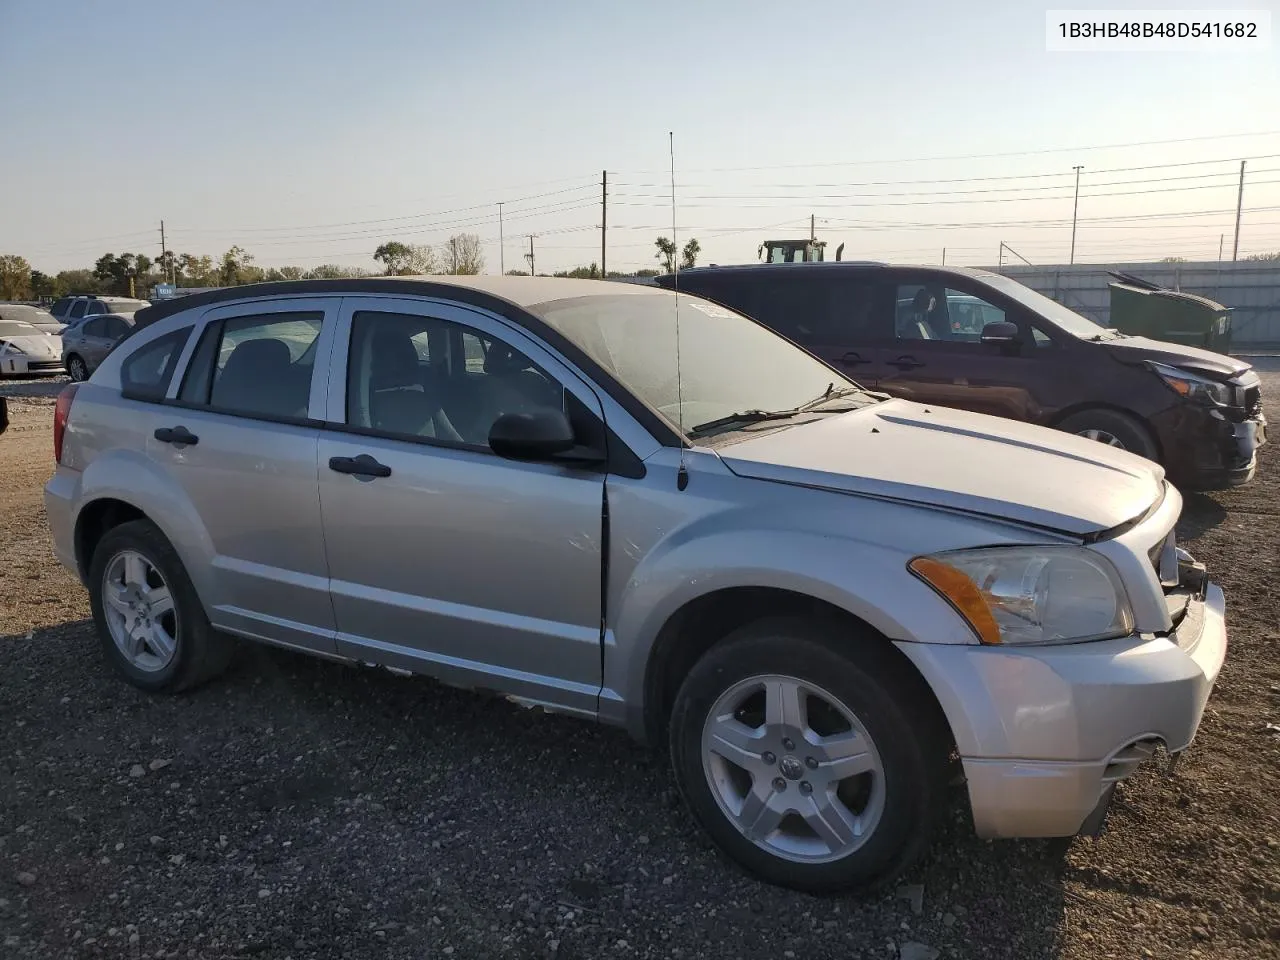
x=1113, y=704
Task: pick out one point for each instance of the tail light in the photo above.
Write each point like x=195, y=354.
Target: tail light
x=61, y=411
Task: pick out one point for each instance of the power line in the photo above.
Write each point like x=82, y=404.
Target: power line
x=979, y=156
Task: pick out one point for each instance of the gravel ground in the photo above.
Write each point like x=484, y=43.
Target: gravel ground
x=300, y=809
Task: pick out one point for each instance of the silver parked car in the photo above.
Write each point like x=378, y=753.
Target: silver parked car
x=813, y=594
x=86, y=343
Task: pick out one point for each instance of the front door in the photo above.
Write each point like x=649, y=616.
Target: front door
x=444, y=557
x=251, y=394
x=937, y=355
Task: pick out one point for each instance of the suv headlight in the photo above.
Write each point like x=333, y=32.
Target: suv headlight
x=1028, y=595
x=1193, y=386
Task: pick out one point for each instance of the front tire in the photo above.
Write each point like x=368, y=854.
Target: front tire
x=811, y=757
x=77, y=369
x=152, y=626
x=1113, y=428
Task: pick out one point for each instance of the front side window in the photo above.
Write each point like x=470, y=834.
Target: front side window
x=145, y=374
x=95, y=328
x=728, y=363
x=256, y=366
x=425, y=378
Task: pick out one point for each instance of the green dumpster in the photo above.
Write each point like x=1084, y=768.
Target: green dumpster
x=1142, y=309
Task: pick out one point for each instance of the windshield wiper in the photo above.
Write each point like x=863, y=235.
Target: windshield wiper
x=746, y=416
x=759, y=416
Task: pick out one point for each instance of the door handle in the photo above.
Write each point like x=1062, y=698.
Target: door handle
x=853, y=357
x=361, y=466
x=906, y=363
x=179, y=436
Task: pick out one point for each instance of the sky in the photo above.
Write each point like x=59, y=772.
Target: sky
x=311, y=132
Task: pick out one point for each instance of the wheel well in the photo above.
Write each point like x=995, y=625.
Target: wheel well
x=1111, y=408
x=702, y=623
x=94, y=522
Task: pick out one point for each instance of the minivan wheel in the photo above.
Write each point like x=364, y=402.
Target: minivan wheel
x=77, y=369
x=803, y=753
x=1113, y=428
x=151, y=624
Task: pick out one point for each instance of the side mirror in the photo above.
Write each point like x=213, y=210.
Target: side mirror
x=537, y=435
x=1002, y=332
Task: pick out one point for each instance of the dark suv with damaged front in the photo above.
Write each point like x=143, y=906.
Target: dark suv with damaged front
x=980, y=341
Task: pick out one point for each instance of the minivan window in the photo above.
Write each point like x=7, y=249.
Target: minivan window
x=256, y=365
x=729, y=364
x=1064, y=318
x=78, y=308
x=59, y=309
x=145, y=374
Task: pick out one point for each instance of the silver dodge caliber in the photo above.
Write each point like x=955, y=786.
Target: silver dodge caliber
x=639, y=507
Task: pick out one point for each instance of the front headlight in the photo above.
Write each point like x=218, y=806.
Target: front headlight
x=1193, y=386
x=1022, y=595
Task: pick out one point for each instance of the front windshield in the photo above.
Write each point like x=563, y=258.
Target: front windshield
x=1064, y=318
x=728, y=364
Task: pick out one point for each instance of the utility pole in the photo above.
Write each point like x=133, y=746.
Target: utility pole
x=944, y=256
x=1074, y=210
x=529, y=256
x=1235, y=247
x=1000, y=263
x=813, y=235
x=164, y=254
x=502, y=261
x=1221, y=237
x=604, y=222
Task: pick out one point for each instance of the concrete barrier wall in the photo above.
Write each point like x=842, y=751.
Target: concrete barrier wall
x=1251, y=287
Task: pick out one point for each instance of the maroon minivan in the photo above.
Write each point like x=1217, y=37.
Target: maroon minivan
x=979, y=341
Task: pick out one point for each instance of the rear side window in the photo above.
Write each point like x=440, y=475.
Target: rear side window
x=78, y=308
x=145, y=374
x=822, y=311
x=115, y=327
x=59, y=309
x=255, y=366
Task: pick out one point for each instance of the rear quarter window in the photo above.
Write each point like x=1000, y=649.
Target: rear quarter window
x=146, y=373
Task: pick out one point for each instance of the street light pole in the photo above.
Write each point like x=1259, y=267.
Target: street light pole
x=1075, y=208
x=502, y=262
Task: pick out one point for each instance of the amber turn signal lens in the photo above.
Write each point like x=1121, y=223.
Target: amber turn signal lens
x=961, y=592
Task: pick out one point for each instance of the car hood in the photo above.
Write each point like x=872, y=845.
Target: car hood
x=1136, y=349
x=38, y=346
x=960, y=461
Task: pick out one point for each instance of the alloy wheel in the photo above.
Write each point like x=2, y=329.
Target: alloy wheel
x=793, y=769
x=140, y=611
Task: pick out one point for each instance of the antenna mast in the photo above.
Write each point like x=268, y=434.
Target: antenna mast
x=682, y=474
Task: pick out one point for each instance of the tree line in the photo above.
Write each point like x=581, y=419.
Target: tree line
x=134, y=274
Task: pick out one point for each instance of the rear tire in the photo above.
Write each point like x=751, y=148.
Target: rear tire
x=77, y=369
x=1113, y=428
x=846, y=794
x=153, y=628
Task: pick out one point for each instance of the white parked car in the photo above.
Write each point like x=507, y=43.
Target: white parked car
x=26, y=350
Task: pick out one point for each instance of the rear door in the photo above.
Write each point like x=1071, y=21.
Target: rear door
x=252, y=396
x=937, y=355
x=93, y=341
